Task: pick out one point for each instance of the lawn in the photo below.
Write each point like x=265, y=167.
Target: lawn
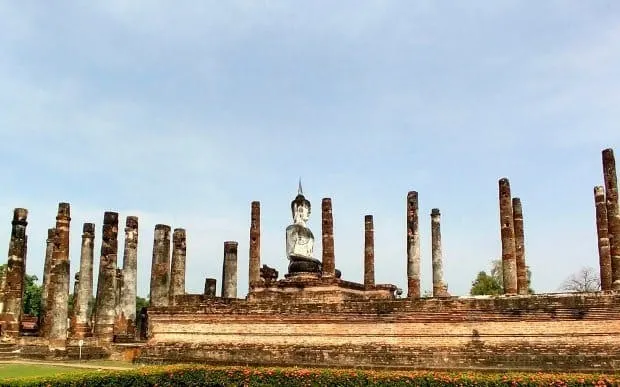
x=18, y=370
x=27, y=370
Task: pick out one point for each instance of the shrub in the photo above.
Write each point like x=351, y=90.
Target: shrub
x=198, y=375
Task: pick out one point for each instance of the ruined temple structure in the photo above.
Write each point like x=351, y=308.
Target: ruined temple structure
x=313, y=315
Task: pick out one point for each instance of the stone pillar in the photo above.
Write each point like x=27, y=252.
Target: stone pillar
x=509, y=263
x=413, y=246
x=47, y=268
x=73, y=307
x=613, y=214
x=517, y=216
x=127, y=281
x=327, y=222
x=84, y=292
x=177, y=271
x=160, y=268
x=105, y=309
x=254, y=270
x=2, y=285
x=439, y=287
x=229, y=272
x=45, y=284
x=602, y=231
x=130, y=274
x=16, y=272
x=210, y=287
x=56, y=311
x=369, y=251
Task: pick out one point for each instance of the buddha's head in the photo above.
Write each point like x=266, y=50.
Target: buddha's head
x=300, y=208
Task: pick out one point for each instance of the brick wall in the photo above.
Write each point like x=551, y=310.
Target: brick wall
x=556, y=331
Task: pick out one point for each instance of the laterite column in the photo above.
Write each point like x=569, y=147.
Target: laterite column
x=509, y=263
x=15, y=272
x=369, y=251
x=229, y=270
x=602, y=232
x=327, y=222
x=160, y=268
x=413, y=246
x=254, y=269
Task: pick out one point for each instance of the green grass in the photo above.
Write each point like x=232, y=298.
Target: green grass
x=17, y=370
x=29, y=370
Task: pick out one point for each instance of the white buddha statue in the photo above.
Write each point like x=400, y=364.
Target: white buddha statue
x=299, y=238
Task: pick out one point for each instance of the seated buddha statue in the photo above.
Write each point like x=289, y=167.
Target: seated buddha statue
x=299, y=238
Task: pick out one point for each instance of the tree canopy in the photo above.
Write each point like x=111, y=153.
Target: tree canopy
x=493, y=283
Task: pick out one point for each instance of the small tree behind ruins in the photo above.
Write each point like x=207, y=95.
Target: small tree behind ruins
x=583, y=281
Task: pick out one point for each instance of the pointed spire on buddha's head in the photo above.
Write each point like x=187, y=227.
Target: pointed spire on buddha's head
x=300, y=201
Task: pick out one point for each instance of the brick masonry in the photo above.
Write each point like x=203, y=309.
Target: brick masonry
x=552, y=332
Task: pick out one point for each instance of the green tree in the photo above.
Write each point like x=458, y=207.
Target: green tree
x=141, y=303
x=493, y=283
x=485, y=284
x=32, y=296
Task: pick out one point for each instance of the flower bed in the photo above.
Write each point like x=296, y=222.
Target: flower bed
x=197, y=375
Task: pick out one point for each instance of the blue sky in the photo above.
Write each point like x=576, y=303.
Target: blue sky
x=184, y=112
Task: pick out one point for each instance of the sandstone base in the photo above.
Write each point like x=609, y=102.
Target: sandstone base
x=313, y=288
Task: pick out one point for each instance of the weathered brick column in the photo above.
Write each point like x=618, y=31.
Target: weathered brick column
x=439, y=286
x=177, y=271
x=15, y=272
x=602, y=231
x=254, y=269
x=160, y=268
x=56, y=311
x=517, y=216
x=229, y=271
x=210, y=287
x=105, y=309
x=129, y=289
x=369, y=251
x=613, y=214
x=47, y=267
x=45, y=284
x=413, y=246
x=327, y=230
x=509, y=263
x=2, y=285
x=81, y=322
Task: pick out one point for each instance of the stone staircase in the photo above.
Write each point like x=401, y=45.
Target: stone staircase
x=8, y=351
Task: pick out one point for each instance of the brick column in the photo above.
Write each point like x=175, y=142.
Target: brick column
x=229, y=270
x=106, y=305
x=413, y=246
x=369, y=251
x=160, y=268
x=47, y=268
x=602, y=231
x=439, y=286
x=177, y=270
x=81, y=324
x=16, y=272
x=210, y=287
x=56, y=311
x=327, y=222
x=517, y=216
x=509, y=263
x=130, y=274
x=613, y=214
x=254, y=269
